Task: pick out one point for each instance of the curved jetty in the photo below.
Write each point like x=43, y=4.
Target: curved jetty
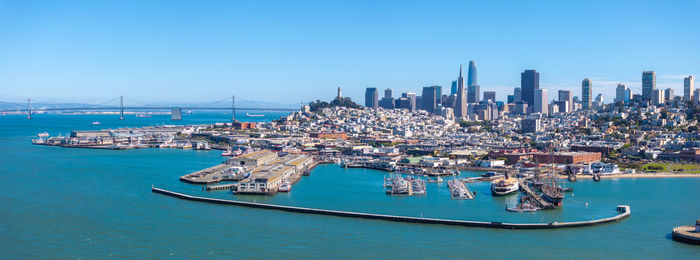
x=687, y=234
x=623, y=209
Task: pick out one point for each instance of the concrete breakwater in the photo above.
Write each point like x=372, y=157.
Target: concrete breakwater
x=623, y=209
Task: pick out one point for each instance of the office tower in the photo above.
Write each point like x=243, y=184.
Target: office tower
x=340, y=96
x=628, y=95
x=438, y=94
x=472, y=85
x=387, y=101
x=541, y=104
x=657, y=97
x=529, y=82
x=510, y=99
x=696, y=96
x=448, y=113
x=372, y=97
x=428, y=100
x=688, y=88
x=668, y=95
x=620, y=93
x=530, y=125
x=521, y=108
x=461, y=102
x=490, y=95
x=586, y=93
x=562, y=106
x=648, y=84
x=517, y=96
x=412, y=100
x=568, y=96
x=453, y=89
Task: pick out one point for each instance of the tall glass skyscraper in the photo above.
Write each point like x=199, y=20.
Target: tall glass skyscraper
x=372, y=97
x=566, y=95
x=529, y=81
x=620, y=93
x=688, y=88
x=429, y=99
x=648, y=84
x=586, y=93
x=472, y=86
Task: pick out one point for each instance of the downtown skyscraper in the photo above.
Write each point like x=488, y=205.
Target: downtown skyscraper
x=688, y=88
x=529, y=82
x=473, y=93
x=586, y=93
x=461, y=103
x=648, y=84
x=372, y=97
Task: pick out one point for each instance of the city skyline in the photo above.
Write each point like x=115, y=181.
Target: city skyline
x=210, y=47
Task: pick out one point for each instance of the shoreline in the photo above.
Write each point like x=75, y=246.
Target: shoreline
x=644, y=175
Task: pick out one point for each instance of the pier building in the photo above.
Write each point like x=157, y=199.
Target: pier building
x=267, y=178
x=254, y=159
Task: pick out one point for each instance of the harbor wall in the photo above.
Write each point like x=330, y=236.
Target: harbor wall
x=624, y=212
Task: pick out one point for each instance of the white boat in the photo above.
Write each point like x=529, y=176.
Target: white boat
x=285, y=187
x=251, y=115
x=96, y=123
x=504, y=186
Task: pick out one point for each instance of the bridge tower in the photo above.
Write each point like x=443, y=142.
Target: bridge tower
x=121, y=107
x=176, y=114
x=233, y=108
x=29, y=108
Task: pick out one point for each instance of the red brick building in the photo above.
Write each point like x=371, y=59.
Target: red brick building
x=567, y=158
x=329, y=135
x=243, y=125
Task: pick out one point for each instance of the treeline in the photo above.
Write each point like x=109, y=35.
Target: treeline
x=342, y=102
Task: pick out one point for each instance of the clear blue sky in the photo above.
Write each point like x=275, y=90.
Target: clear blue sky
x=292, y=51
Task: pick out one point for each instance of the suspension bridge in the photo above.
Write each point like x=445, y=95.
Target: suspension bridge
x=175, y=111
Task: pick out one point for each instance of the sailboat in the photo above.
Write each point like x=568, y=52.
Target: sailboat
x=551, y=188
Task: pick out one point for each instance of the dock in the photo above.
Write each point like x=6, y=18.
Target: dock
x=219, y=187
x=540, y=201
x=624, y=211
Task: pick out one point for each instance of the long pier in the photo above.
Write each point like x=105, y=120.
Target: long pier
x=623, y=209
x=542, y=203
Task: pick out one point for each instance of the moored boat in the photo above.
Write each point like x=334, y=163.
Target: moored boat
x=504, y=186
x=285, y=187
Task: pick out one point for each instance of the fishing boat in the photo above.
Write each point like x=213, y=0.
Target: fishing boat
x=504, y=186
x=458, y=190
x=418, y=187
x=527, y=204
x=397, y=185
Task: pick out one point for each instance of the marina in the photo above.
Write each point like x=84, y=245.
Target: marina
x=624, y=211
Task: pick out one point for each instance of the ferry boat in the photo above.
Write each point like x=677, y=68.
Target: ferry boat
x=285, y=187
x=504, y=186
x=96, y=123
x=143, y=115
x=251, y=115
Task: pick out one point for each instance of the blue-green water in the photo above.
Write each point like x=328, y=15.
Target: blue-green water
x=79, y=203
